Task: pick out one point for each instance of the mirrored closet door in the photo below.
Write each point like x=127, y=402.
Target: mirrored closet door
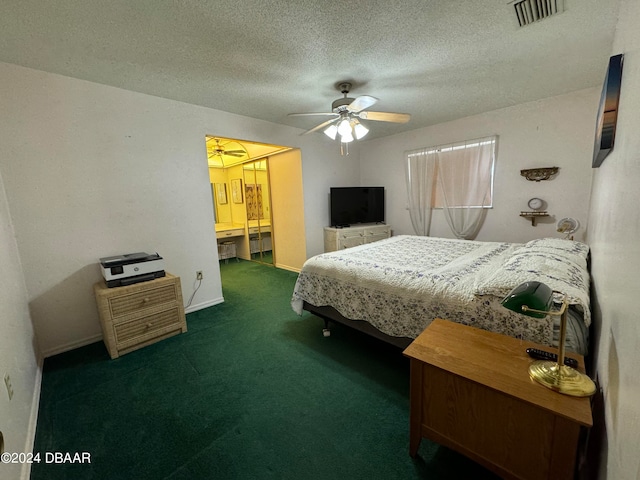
x=258, y=206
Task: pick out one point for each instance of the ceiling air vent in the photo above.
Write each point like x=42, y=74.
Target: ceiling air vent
x=530, y=11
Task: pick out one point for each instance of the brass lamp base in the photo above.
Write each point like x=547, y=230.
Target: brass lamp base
x=562, y=379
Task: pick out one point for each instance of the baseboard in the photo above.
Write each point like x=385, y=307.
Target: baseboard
x=25, y=474
x=73, y=345
x=286, y=267
x=98, y=337
x=200, y=306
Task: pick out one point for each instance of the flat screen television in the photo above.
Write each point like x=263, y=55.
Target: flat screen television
x=352, y=205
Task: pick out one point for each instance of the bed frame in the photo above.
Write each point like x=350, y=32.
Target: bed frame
x=330, y=314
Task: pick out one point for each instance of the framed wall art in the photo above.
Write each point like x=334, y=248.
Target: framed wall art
x=221, y=193
x=608, y=111
x=236, y=190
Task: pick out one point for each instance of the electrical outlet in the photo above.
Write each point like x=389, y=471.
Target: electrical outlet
x=7, y=382
x=199, y=275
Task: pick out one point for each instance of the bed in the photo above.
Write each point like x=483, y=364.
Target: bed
x=392, y=289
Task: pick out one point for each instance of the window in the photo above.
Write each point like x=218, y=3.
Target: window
x=462, y=173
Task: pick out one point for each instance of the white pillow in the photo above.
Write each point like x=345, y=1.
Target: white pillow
x=560, y=264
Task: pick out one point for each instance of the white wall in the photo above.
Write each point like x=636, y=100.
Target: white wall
x=614, y=231
x=18, y=357
x=287, y=207
x=555, y=132
x=92, y=171
x=319, y=176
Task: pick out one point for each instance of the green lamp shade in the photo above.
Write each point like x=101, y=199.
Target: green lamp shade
x=533, y=295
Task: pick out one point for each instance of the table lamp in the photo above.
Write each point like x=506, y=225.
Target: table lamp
x=534, y=299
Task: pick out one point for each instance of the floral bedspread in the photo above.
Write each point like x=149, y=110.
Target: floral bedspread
x=399, y=285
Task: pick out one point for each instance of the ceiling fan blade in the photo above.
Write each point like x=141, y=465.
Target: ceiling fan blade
x=333, y=114
x=385, y=117
x=322, y=125
x=361, y=102
x=231, y=153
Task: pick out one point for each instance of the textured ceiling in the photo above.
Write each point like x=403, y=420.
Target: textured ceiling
x=437, y=60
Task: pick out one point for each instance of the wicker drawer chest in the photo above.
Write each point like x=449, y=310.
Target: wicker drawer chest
x=138, y=315
x=340, y=238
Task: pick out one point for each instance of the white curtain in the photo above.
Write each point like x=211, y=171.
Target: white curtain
x=420, y=178
x=465, y=173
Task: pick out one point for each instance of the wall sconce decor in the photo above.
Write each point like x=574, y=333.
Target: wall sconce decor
x=537, y=174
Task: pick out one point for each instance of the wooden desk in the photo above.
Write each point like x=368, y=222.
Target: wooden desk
x=471, y=392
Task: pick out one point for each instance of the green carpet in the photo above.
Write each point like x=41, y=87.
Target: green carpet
x=251, y=391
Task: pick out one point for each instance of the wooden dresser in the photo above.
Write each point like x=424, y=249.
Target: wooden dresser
x=471, y=392
x=138, y=315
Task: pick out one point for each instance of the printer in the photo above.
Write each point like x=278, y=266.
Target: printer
x=131, y=268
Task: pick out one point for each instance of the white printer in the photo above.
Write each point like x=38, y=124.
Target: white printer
x=131, y=268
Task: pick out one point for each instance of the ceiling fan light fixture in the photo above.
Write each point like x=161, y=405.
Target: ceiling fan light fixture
x=344, y=127
x=331, y=131
x=346, y=113
x=347, y=137
x=359, y=129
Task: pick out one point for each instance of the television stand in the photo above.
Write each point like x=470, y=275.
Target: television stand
x=339, y=238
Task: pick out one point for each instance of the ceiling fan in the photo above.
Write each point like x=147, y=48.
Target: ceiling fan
x=347, y=112
x=219, y=150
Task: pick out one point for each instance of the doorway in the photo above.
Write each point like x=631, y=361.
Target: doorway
x=257, y=200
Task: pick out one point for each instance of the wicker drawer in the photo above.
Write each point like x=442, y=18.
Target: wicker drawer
x=351, y=234
x=380, y=230
x=226, y=250
x=135, y=331
x=128, y=304
x=138, y=315
x=376, y=237
x=350, y=241
x=339, y=238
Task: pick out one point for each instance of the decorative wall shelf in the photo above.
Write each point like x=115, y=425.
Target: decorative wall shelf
x=537, y=174
x=533, y=216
